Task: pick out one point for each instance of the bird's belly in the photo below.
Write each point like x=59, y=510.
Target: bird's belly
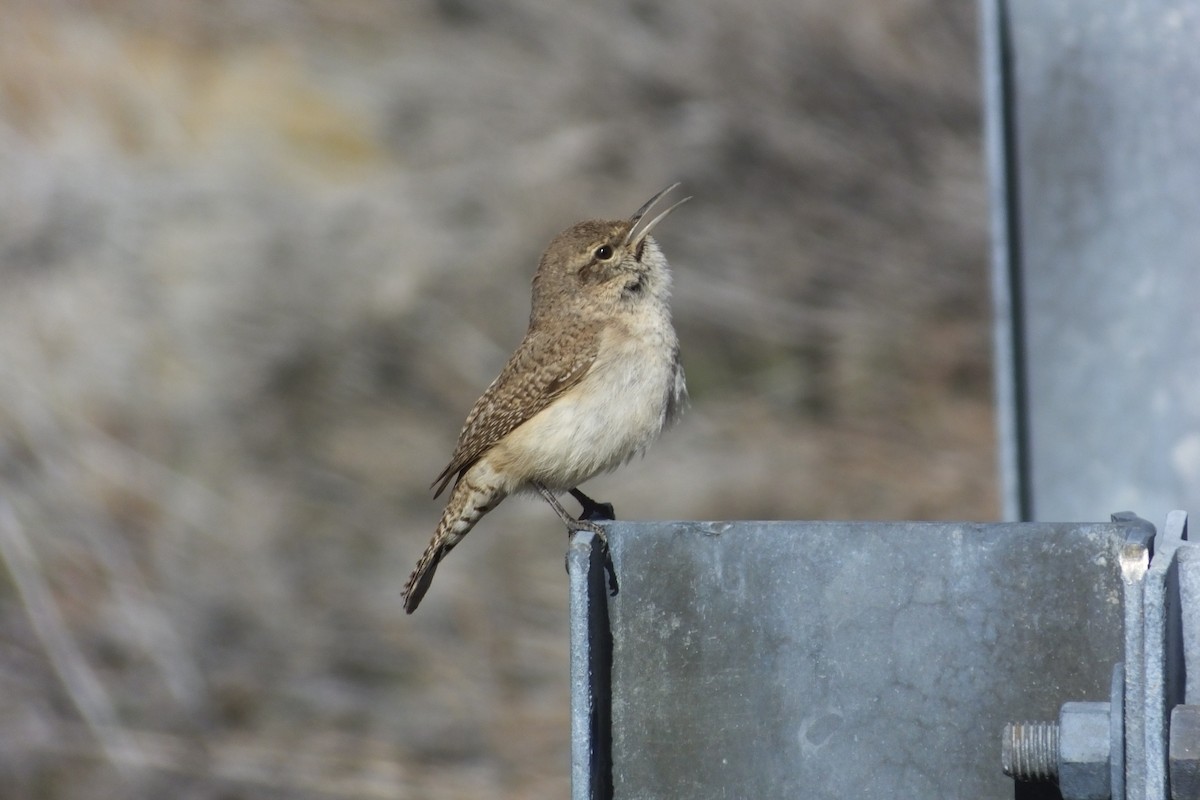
x=612, y=415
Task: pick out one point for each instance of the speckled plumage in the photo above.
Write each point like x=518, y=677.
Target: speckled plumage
x=546, y=364
x=595, y=380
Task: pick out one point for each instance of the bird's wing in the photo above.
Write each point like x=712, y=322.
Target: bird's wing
x=541, y=369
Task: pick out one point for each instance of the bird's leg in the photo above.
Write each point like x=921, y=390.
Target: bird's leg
x=592, y=509
x=572, y=524
x=590, y=506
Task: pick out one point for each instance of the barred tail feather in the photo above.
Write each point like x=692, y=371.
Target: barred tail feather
x=422, y=576
x=469, y=501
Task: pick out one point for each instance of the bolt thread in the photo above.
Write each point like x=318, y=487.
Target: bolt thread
x=1030, y=751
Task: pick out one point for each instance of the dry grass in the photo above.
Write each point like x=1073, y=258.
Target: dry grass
x=257, y=260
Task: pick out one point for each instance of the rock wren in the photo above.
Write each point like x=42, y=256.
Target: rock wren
x=595, y=380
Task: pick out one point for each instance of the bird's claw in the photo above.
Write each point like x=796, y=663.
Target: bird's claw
x=593, y=509
x=586, y=524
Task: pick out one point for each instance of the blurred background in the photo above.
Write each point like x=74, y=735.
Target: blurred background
x=259, y=258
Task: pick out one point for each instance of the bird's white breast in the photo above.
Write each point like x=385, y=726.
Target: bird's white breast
x=614, y=413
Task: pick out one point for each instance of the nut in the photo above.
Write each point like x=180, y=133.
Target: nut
x=1184, y=760
x=1083, y=751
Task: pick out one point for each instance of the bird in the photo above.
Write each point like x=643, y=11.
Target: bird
x=595, y=380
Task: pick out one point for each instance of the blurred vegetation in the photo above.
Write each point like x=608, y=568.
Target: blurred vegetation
x=258, y=259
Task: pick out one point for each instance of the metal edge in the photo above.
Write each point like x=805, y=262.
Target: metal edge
x=1135, y=561
x=578, y=559
x=1000, y=148
x=1188, y=556
x=1162, y=686
x=1116, y=732
x=591, y=668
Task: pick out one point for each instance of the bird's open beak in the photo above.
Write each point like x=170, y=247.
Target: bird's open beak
x=637, y=231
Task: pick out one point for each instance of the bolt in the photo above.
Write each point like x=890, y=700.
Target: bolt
x=1030, y=751
x=1073, y=752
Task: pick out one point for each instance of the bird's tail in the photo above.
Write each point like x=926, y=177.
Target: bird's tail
x=469, y=501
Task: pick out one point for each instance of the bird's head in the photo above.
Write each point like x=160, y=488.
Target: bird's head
x=601, y=267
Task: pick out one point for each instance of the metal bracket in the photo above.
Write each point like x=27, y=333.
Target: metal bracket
x=823, y=660
x=1160, y=745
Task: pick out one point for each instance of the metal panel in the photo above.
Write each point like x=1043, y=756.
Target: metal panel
x=1094, y=122
x=822, y=660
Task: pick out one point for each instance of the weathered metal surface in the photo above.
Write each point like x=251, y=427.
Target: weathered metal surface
x=1135, y=563
x=1093, y=113
x=1188, y=556
x=823, y=660
x=1161, y=683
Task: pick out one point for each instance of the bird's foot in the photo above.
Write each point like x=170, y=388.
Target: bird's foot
x=602, y=543
x=592, y=509
x=585, y=523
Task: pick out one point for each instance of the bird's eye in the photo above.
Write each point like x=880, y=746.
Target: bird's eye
x=604, y=252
